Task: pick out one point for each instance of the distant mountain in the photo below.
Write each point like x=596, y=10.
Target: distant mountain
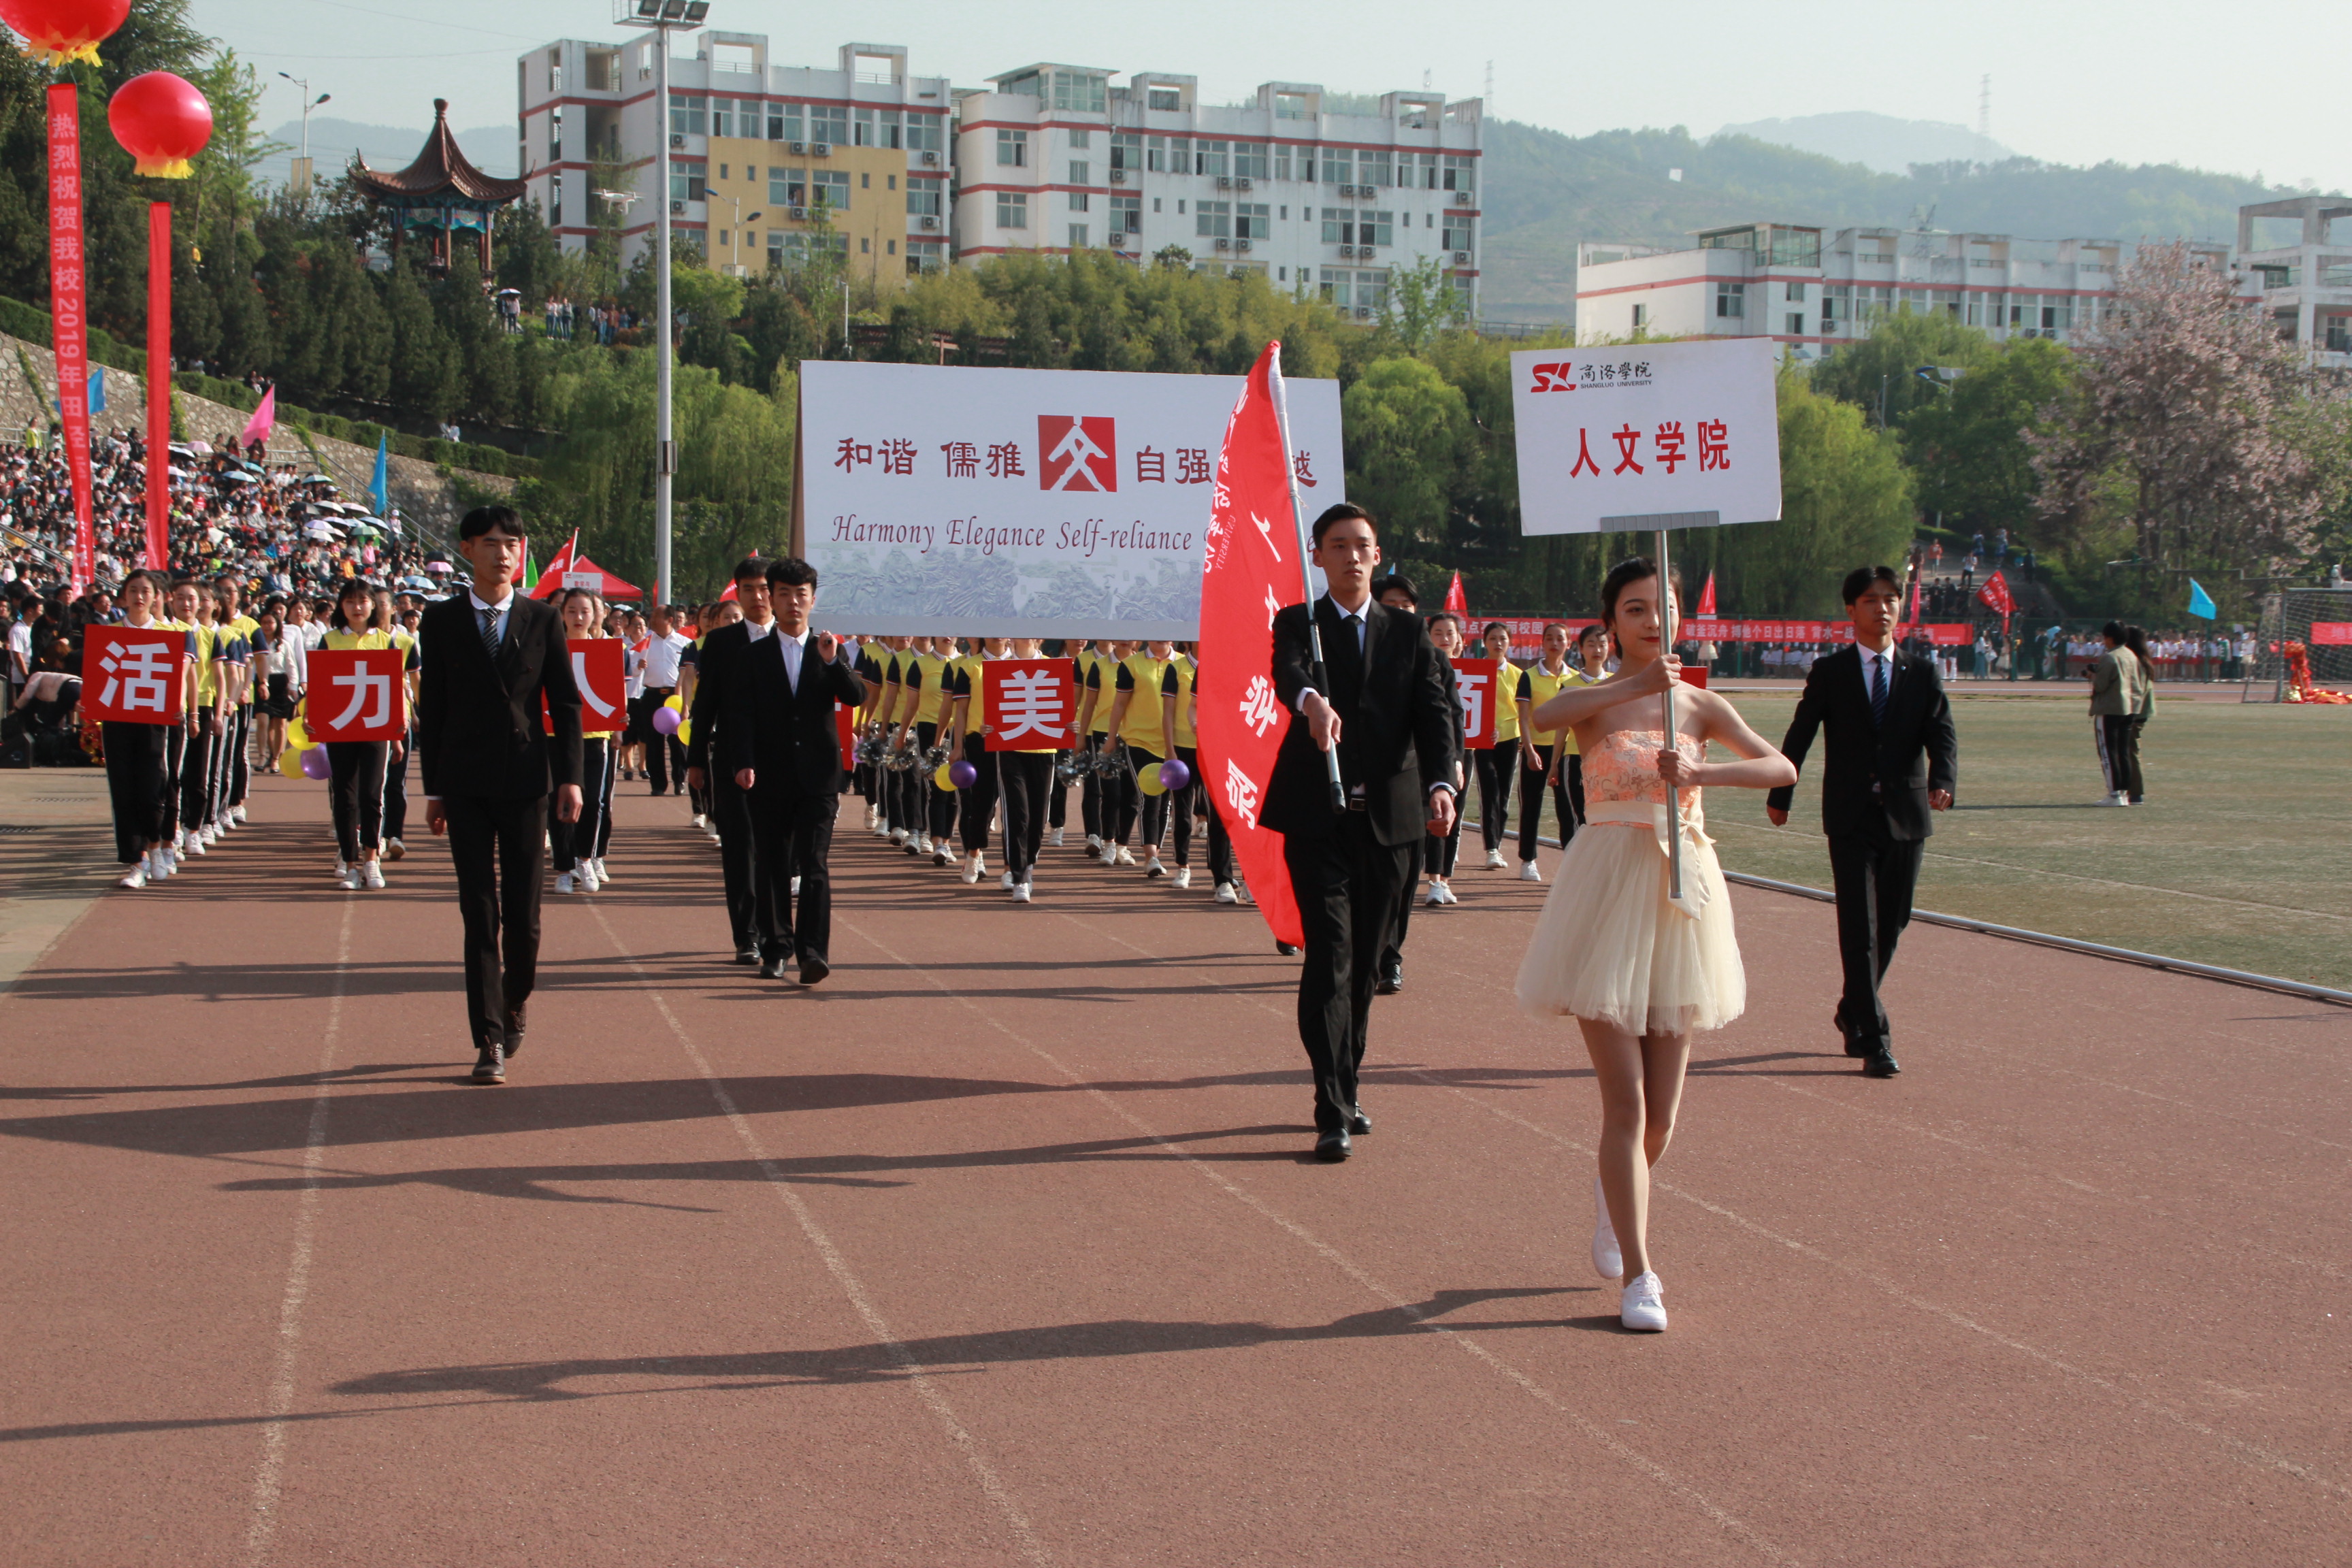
x=1877, y=142
x=385, y=147
x=1545, y=191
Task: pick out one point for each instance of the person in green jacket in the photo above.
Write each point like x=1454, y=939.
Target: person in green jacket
x=2137, y=640
x=2118, y=682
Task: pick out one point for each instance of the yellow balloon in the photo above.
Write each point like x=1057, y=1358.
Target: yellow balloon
x=676, y=701
x=940, y=778
x=290, y=764
x=686, y=732
x=298, y=734
x=1150, y=779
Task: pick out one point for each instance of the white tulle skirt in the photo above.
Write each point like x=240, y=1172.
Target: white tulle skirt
x=1610, y=947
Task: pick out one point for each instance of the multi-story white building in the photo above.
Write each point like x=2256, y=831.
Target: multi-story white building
x=1054, y=159
x=2306, y=286
x=1786, y=282
x=767, y=162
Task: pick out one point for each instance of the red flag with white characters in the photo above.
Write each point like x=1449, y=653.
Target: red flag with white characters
x=597, y=668
x=1996, y=597
x=1032, y=704
x=1457, y=602
x=1250, y=568
x=1474, y=692
x=1706, y=599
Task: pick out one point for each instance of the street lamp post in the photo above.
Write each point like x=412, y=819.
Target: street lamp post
x=660, y=17
x=300, y=182
x=735, y=245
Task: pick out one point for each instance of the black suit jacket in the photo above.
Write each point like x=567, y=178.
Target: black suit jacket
x=477, y=718
x=784, y=734
x=1916, y=749
x=1396, y=726
x=714, y=667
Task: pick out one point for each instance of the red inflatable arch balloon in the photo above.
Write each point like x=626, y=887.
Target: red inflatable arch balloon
x=56, y=31
x=163, y=121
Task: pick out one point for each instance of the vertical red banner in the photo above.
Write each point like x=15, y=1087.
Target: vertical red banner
x=158, y=386
x=68, y=291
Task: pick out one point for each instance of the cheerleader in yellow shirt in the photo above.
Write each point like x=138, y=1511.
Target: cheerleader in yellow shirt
x=1138, y=721
x=967, y=731
x=1498, y=764
x=1542, y=751
x=355, y=769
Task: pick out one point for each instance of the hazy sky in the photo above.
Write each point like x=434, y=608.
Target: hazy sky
x=2077, y=83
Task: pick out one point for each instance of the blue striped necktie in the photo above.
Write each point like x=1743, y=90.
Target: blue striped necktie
x=491, y=631
x=1878, y=689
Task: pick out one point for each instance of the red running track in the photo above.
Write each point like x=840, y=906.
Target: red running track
x=1000, y=1247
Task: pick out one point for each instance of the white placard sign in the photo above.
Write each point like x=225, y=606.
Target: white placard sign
x=1646, y=435
x=1025, y=503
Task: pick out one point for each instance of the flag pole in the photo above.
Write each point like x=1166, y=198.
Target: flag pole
x=1306, y=582
x=1673, y=797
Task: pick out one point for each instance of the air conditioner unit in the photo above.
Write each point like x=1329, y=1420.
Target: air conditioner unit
x=1223, y=243
x=1242, y=183
x=820, y=149
x=677, y=139
x=1118, y=177
x=799, y=214
x=1224, y=183
x=1461, y=258
x=1363, y=312
x=1347, y=190
x=931, y=160
x=677, y=207
x=929, y=222
x=1346, y=251
x=800, y=148
x=1241, y=245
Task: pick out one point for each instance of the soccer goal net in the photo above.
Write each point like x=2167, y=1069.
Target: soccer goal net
x=2320, y=621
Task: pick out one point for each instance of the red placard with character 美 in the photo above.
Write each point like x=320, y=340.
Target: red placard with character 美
x=356, y=694
x=1032, y=704
x=1474, y=690
x=133, y=677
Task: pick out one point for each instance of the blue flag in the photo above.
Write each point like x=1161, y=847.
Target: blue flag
x=379, y=489
x=98, y=389
x=2200, y=603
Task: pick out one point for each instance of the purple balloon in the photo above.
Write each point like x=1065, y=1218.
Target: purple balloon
x=666, y=720
x=962, y=775
x=1174, y=774
x=314, y=762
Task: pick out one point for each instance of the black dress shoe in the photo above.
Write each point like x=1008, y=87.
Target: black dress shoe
x=1391, y=980
x=747, y=955
x=1285, y=949
x=513, y=1046
x=771, y=969
x=1357, y=1122
x=1879, y=1063
x=1332, y=1147
x=814, y=969
x=491, y=1067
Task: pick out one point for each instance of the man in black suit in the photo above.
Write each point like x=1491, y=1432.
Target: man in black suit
x=719, y=666
x=487, y=655
x=1894, y=757
x=778, y=738
x=1379, y=699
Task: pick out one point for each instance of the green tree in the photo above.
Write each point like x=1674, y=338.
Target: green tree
x=425, y=366
x=1406, y=432
x=1881, y=373
x=1968, y=444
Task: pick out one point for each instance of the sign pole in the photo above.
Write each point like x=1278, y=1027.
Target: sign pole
x=1673, y=797
x=1306, y=581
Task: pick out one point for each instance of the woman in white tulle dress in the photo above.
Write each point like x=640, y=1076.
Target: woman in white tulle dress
x=1637, y=970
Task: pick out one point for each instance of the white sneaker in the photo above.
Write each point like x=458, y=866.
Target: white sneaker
x=1183, y=876
x=393, y=849
x=1151, y=866
x=602, y=876
x=195, y=843
x=873, y=818
x=171, y=859
x=209, y=834
x=1434, y=895
x=1055, y=838
x=1447, y=890
x=898, y=836
x=351, y=880
x=134, y=877
x=342, y=870
x=1006, y=883
x=565, y=882
x=180, y=841
x=1528, y=872
x=237, y=812
x=371, y=876
x=1242, y=893
x=1125, y=857
x=1093, y=844
x=1020, y=892
x=1607, y=1260
x=699, y=820
x=1643, y=1304
x=584, y=873
x=972, y=870
x=1225, y=894
x=796, y=886
x=2117, y=799
x=1493, y=859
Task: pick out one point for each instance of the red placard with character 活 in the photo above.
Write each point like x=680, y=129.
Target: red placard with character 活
x=133, y=676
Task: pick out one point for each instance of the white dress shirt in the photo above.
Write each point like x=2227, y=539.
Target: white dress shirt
x=1871, y=656
x=663, y=653
x=794, y=649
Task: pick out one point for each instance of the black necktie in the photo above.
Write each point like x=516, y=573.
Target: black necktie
x=1878, y=689
x=491, y=619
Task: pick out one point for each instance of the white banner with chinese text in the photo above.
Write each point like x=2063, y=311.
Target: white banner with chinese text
x=1646, y=435
x=1047, y=503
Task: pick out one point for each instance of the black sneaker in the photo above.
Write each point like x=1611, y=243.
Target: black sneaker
x=491, y=1067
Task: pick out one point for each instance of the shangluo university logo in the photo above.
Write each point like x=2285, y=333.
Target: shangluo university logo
x=1076, y=453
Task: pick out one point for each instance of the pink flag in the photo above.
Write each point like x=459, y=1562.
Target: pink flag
x=1250, y=569
x=258, y=428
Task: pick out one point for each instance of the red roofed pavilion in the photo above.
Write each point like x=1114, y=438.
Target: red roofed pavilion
x=440, y=194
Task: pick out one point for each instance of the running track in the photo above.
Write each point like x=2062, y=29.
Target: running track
x=1000, y=1248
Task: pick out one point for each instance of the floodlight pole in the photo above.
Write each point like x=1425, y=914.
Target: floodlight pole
x=664, y=445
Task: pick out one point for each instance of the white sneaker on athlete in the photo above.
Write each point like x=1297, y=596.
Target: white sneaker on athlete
x=134, y=877
x=351, y=880
x=1643, y=1304
x=169, y=860
x=1055, y=838
x=1528, y=872
x=211, y=834
x=1434, y=895
x=237, y=812
x=2117, y=798
x=1125, y=857
x=342, y=870
x=1447, y=889
x=566, y=882
x=1493, y=859
x=1225, y=894
x=1151, y=866
x=195, y=843
x=584, y=872
x=1183, y=876
x=371, y=876
x=602, y=876
x=698, y=820
x=393, y=849
x=1006, y=883
x=1020, y=892
x=1093, y=844
x=972, y=870
x=872, y=817
x=898, y=836
x=1607, y=1260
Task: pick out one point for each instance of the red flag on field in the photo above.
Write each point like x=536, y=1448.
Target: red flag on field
x=1458, y=603
x=1911, y=615
x=1249, y=569
x=1996, y=596
x=1707, y=599
x=726, y=594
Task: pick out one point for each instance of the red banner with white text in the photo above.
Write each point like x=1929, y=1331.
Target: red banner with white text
x=356, y=694
x=69, y=288
x=1031, y=704
x=133, y=676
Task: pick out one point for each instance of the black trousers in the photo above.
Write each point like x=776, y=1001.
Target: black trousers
x=355, y=795
x=664, y=755
x=1183, y=802
x=1117, y=802
x=792, y=836
x=196, y=771
x=1150, y=809
x=241, y=739
x=748, y=914
x=977, y=806
x=1347, y=884
x=395, y=789
x=138, y=785
x=1090, y=793
x=1875, y=877
x=2118, y=738
x=936, y=816
x=1029, y=789
x=1057, y=804
x=1498, y=766
x=1567, y=800
x=572, y=841
x=498, y=848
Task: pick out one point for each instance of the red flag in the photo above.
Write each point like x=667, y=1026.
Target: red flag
x=1250, y=568
x=1458, y=603
x=1911, y=615
x=1707, y=599
x=1996, y=598
x=726, y=594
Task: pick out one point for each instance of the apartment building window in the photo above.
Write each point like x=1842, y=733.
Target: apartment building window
x=1251, y=221
x=926, y=256
x=1731, y=301
x=554, y=199
x=604, y=70
x=831, y=188
x=1361, y=290
x=787, y=188
x=1126, y=215
x=1011, y=149
x=1155, y=154
x=1418, y=170
x=866, y=180
x=1081, y=172
x=1374, y=169
x=1127, y=149
x=1210, y=157
x=1282, y=163
x=923, y=132
x=922, y=196
x=686, y=179
x=1338, y=225
x=1213, y=220
x=1078, y=237
x=783, y=122
x=1380, y=230
x=1837, y=305
x=1180, y=154
x=555, y=70
x=1796, y=290
x=722, y=117
x=1339, y=166
x=1081, y=138
x=686, y=113
x=1641, y=317
x=1795, y=324
x=1080, y=201
x=1166, y=100
x=1249, y=160
x=1011, y=210
x=1456, y=234
x=829, y=122
x=1457, y=174
x=555, y=133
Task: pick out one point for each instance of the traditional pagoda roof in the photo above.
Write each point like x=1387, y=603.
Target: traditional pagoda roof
x=442, y=171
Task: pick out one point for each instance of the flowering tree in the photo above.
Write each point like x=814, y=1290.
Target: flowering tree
x=2193, y=424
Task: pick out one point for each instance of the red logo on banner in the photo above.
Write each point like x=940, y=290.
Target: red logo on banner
x=1249, y=569
x=1552, y=377
x=1076, y=454
x=1473, y=687
x=1032, y=704
x=132, y=677
x=356, y=694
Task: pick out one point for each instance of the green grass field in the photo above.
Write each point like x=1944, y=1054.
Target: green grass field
x=2241, y=856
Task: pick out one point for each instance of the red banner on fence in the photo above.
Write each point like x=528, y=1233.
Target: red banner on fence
x=132, y=676
x=68, y=291
x=1473, y=687
x=2331, y=634
x=356, y=694
x=1032, y=704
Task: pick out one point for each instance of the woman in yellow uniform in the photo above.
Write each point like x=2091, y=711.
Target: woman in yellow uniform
x=1026, y=777
x=355, y=769
x=1176, y=716
x=1541, y=751
x=1137, y=723
x=1106, y=787
x=1498, y=763
x=580, y=846
x=967, y=726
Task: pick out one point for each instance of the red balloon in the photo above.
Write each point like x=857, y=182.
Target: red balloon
x=163, y=121
x=62, y=30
